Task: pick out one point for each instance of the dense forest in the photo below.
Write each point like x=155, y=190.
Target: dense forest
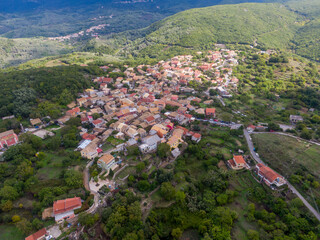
x=44, y=91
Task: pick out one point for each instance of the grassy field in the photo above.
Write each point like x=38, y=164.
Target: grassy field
x=286, y=154
x=10, y=232
x=52, y=167
x=126, y=172
x=241, y=183
x=107, y=146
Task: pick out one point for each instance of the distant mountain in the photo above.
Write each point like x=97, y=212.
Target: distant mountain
x=295, y=26
x=48, y=18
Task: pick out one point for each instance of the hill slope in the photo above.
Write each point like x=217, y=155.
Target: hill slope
x=270, y=25
x=16, y=51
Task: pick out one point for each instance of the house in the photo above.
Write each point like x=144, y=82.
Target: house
x=81, y=101
x=64, y=209
x=269, y=176
x=87, y=136
x=150, y=120
x=35, y=122
x=173, y=142
x=251, y=128
x=106, y=162
x=150, y=143
x=40, y=235
x=73, y=112
x=211, y=112
x=160, y=129
x=237, y=163
x=63, y=120
x=8, y=138
x=294, y=119
x=132, y=133
x=196, y=137
x=90, y=151
x=98, y=123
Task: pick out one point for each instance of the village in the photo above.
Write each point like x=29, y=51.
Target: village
x=145, y=109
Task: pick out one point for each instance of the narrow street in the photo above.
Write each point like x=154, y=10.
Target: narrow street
x=292, y=188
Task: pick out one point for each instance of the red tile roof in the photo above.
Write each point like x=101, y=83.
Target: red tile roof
x=268, y=173
x=210, y=111
x=37, y=235
x=150, y=119
x=239, y=160
x=97, y=121
x=87, y=136
x=66, y=205
x=197, y=135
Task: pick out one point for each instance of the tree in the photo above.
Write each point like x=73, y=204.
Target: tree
x=306, y=134
x=73, y=178
x=176, y=233
x=16, y=218
x=24, y=226
x=37, y=224
x=88, y=219
x=24, y=170
x=167, y=191
x=65, y=97
x=111, y=173
x=222, y=199
x=163, y=150
x=273, y=127
x=143, y=185
x=251, y=211
x=54, y=143
x=24, y=99
x=180, y=196
x=9, y=193
x=6, y=206
x=140, y=167
x=253, y=235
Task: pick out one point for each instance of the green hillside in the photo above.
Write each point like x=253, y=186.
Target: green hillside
x=16, y=51
x=270, y=25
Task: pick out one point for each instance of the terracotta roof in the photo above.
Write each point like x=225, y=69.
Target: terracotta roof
x=150, y=119
x=197, y=135
x=97, y=121
x=210, y=110
x=231, y=162
x=268, y=173
x=239, y=160
x=66, y=205
x=7, y=133
x=37, y=235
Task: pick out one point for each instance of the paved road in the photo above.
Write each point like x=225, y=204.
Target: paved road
x=292, y=188
x=86, y=179
x=221, y=100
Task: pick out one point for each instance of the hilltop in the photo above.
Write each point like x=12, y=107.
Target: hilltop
x=290, y=26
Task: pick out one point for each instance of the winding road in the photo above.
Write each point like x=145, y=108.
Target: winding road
x=292, y=188
x=86, y=179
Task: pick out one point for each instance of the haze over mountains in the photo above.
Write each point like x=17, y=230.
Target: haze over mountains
x=291, y=24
